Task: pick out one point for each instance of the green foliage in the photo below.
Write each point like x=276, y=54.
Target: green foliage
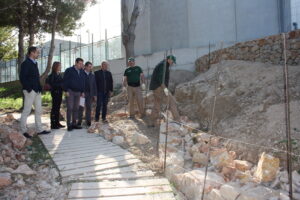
x=10, y=103
x=11, y=90
x=7, y=44
x=38, y=153
x=11, y=96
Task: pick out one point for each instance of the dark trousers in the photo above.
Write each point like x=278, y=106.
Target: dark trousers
x=102, y=100
x=72, y=107
x=56, y=102
x=87, y=108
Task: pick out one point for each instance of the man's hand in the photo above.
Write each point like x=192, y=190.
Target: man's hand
x=143, y=86
x=166, y=91
x=67, y=94
x=124, y=89
x=94, y=98
x=82, y=95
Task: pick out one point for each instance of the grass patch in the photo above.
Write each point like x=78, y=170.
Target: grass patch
x=38, y=153
x=11, y=103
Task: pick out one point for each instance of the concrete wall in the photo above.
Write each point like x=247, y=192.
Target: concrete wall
x=169, y=24
x=196, y=23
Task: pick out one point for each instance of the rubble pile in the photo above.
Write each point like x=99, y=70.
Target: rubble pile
x=228, y=177
x=20, y=177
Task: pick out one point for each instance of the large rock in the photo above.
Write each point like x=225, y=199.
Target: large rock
x=248, y=107
x=5, y=180
x=17, y=139
x=191, y=183
x=221, y=158
x=267, y=168
x=258, y=193
x=138, y=138
x=94, y=127
x=118, y=140
x=242, y=165
x=230, y=191
x=200, y=158
x=215, y=195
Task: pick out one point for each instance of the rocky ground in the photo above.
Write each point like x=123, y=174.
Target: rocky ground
x=249, y=105
x=26, y=172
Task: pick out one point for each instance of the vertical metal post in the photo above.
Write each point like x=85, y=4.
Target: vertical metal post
x=16, y=64
x=60, y=52
x=147, y=82
x=1, y=72
x=42, y=52
x=106, y=45
x=80, y=45
x=92, y=48
x=5, y=73
x=10, y=71
x=70, y=63
x=287, y=118
x=209, y=55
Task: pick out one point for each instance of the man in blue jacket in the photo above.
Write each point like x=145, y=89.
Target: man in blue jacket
x=73, y=85
x=30, y=80
x=90, y=94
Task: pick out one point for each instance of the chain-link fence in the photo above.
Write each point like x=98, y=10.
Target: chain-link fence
x=95, y=52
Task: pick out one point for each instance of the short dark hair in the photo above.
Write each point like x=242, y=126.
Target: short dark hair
x=79, y=60
x=31, y=49
x=88, y=63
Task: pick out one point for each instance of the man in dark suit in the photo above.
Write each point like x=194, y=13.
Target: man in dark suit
x=73, y=84
x=30, y=80
x=90, y=94
x=104, y=83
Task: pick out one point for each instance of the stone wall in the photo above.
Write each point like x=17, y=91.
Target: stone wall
x=266, y=50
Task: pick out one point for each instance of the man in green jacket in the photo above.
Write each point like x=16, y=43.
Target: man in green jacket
x=159, y=85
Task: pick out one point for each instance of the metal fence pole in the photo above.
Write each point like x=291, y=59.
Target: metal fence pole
x=106, y=45
x=10, y=71
x=16, y=65
x=42, y=52
x=70, y=53
x=80, y=46
x=287, y=118
x=92, y=48
x=60, y=52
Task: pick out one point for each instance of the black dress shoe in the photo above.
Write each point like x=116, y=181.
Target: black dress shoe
x=77, y=127
x=27, y=135
x=44, y=132
x=60, y=125
x=88, y=123
x=70, y=128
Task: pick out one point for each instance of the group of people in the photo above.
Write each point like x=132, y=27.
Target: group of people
x=82, y=87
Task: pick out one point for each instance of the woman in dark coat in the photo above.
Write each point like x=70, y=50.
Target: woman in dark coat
x=55, y=80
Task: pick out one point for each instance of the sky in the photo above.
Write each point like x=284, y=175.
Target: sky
x=105, y=14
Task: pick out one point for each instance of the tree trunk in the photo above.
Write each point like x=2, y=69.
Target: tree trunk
x=129, y=49
x=21, y=35
x=51, y=51
x=32, y=22
x=31, y=36
x=128, y=35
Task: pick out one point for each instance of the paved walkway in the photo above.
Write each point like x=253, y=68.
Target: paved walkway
x=102, y=170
